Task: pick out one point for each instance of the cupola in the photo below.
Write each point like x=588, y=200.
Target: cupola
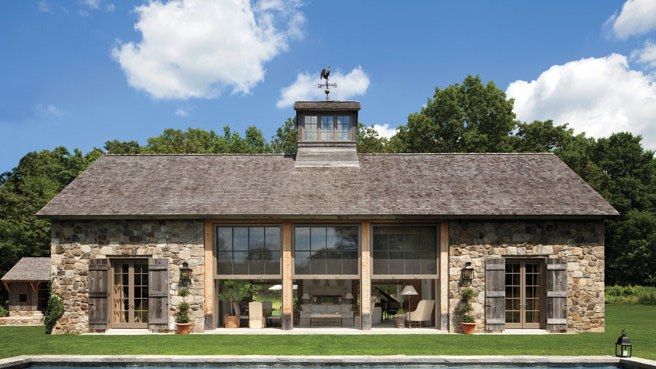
x=327, y=133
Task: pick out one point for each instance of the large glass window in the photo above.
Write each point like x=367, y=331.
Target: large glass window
x=405, y=250
x=326, y=250
x=248, y=250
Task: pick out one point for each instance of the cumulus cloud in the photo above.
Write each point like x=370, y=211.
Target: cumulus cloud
x=637, y=17
x=384, y=130
x=43, y=7
x=646, y=55
x=355, y=83
x=598, y=96
x=197, y=48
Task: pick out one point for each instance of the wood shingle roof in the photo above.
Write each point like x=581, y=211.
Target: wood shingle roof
x=385, y=185
x=29, y=269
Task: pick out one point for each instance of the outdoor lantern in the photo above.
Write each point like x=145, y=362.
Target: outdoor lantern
x=623, y=345
x=467, y=274
x=185, y=275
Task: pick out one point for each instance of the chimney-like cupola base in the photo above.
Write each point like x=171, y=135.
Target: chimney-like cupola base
x=327, y=133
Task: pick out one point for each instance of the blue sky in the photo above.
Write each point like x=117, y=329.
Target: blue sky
x=78, y=73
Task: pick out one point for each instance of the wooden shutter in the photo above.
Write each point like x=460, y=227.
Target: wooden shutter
x=495, y=294
x=557, y=295
x=158, y=294
x=98, y=286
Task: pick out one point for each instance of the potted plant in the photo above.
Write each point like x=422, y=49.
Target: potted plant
x=233, y=291
x=467, y=320
x=399, y=319
x=182, y=321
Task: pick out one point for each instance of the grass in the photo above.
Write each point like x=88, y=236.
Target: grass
x=639, y=320
x=642, y=295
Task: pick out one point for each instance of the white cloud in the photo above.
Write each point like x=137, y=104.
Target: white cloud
x=598, y=96
x=181, y=113
x=197, y=48
x=646, y=56
x=384, y=130
x=43, y=7
x=48, y=110
x=637, y=17
x=354, y=83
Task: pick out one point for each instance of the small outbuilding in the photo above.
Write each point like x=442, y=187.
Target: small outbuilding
x=27, y=284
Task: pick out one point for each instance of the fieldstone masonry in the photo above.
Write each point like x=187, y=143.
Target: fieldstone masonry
x=581, y=243
x=75, y=242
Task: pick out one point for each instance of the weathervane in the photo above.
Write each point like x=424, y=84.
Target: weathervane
x=325, y=72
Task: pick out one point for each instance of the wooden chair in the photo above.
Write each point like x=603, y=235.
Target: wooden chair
x=237, y=308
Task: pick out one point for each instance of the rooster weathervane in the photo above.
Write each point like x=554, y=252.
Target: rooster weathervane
x=325, y=72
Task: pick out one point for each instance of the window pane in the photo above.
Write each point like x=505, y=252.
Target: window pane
x=302, y=262
x=302, y=238
x=349, y=238
x=343, y=127
x=327, y=133
x=380, y=241
x=412, y=241
x=311, y=127
x=272, y=265
x=350, y=262
x=256, y=238
x=412, y=250
x=318, y=238
x=396, y=262
x=240, y=238
x=272, y=238
x=224, y=265
x=240, y=265
x=224, y=239
x=332, y=238
x=381, y=262
x=318, y=262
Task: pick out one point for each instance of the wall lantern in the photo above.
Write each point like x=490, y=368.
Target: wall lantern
x=623, y=345
x=185, y=275
x=467, y=274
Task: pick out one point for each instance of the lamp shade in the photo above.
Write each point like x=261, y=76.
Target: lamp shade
x=349, y=296
x=305, y=296
x=409, y=290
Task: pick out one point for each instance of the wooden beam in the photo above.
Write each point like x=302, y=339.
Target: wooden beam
x=365, y=276
x=34, y=285
x=210, y=293
x=6, y=284
x=442, y=311
x=287, y=318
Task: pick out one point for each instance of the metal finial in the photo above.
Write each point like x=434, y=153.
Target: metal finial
x=325, y=72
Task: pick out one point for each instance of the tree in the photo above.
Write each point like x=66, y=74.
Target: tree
x=369, y=141
x=122, y=147
x=286, y=138
x=464, y=117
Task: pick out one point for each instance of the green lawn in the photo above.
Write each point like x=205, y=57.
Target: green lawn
x=639, y=320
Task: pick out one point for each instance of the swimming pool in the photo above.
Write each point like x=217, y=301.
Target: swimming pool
x=323, y=362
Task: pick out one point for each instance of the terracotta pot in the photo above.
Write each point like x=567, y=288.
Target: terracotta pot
x=183, y=328
x=231, y=321
x=468, y=328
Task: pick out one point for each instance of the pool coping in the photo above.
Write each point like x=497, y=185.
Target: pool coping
x=25, y=360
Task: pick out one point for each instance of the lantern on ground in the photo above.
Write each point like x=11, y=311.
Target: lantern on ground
x=623, y=345
x=467, y=274
x=185, y=275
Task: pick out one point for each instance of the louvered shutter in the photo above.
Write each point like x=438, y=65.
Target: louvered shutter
x=557, y=295
x=495, y=294
x=158, y=294
x=98, y=286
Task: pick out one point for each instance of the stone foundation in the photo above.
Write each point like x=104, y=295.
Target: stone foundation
x=74, y=243
x=22, y=318
x=581, y=243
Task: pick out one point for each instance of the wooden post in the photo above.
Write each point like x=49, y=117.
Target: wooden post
x=442, y=312
x=365, y=276
x=210, y=293
x=287, y=318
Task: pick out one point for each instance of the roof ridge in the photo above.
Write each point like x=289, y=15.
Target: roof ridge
x=455, y=153
x=200, y=154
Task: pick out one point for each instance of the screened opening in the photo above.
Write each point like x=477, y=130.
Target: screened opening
x=252, y=250
x=326, y=250
x=405, y=250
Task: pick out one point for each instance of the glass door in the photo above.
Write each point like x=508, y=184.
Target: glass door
x=524, y=291
x=129, y=294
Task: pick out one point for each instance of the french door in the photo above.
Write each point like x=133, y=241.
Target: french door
x=129, y=293
x=524, y=293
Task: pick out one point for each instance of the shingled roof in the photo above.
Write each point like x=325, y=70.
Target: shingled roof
x=385, y=185
x=29, y=269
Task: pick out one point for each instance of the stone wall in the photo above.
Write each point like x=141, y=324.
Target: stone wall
x=22, y=318
x=74, y=243
x=581, y=243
